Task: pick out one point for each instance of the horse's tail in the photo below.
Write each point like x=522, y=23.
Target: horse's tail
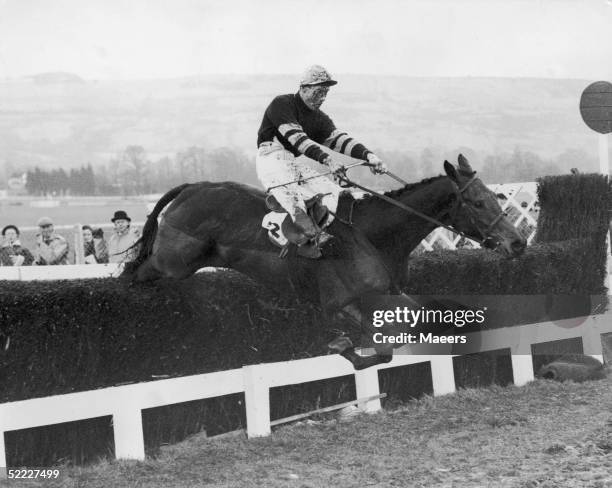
x=149, y=231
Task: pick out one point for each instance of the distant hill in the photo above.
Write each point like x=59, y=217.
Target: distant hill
x=55, y=77
x=58, y=119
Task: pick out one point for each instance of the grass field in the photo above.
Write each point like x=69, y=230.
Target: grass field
x=543, y=435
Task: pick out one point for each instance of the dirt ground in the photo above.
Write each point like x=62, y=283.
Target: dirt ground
x=545, y=434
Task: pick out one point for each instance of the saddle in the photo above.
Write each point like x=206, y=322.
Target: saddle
x=284, y=233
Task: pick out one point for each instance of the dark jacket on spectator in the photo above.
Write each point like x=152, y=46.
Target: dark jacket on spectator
x=8, y=250
x=98, y=249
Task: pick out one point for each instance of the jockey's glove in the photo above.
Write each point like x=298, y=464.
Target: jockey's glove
x=333, y=166
x=377, y=166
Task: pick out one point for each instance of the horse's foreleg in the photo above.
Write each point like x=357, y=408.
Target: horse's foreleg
x=358, y=272
x=342, y=345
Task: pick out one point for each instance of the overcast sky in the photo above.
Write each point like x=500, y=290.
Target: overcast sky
x=128, y=39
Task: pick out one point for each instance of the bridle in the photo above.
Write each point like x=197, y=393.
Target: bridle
x=459, y=203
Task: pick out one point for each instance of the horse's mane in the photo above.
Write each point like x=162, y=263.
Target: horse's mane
x=409, y=188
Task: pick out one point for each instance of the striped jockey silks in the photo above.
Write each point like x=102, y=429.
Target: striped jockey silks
x=298, y=128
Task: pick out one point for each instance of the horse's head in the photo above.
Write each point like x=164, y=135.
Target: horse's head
x=476, y=212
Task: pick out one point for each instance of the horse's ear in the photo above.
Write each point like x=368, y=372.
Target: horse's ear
x=464, y=165
x=451, y=172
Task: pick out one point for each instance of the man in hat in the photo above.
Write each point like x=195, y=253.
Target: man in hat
x=294, y=125
x=120, y=244
x=51, y=248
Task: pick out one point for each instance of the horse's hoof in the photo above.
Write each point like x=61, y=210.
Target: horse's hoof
x=340, y=344
x=386, y=358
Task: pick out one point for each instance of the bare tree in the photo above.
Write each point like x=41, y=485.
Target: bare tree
x=192, y=164
x=135, y=169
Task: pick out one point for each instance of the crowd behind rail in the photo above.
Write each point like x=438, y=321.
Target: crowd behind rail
x=51, y=248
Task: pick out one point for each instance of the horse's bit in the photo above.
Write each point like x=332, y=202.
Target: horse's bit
x=460, y=202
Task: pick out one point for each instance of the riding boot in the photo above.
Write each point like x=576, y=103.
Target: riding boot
x=305, y=224
x=307, y=242
x=321, y=245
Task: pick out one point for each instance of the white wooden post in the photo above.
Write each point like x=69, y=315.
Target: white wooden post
x=442, y=375
x=522, y=369
x=79, y=251
x=129, y=437
x=366, y=385
x=522, y=363
x=604, y=168
x=591, y=342
x=257, y=402
x=2, y=449
x=604, y=158
x=609, y=259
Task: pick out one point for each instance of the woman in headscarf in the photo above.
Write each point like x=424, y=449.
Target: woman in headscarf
x=94, y=246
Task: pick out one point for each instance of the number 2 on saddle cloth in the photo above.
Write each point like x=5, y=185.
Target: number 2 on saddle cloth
x=280, y=227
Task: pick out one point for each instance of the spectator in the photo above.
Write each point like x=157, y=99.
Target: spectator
x=94, y=246
x=120, y=244
x=11, y=252
x=51, y=248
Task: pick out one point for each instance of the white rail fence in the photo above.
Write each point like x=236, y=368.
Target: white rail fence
x=65, y=272
x=125, y=403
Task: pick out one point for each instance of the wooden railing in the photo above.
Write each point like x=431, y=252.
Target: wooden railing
x=125, y=403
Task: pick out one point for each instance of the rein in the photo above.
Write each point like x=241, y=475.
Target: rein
x=460, y=202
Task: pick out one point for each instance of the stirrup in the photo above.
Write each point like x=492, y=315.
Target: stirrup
x=309, y=250
x=323, y=238
x=284, y=251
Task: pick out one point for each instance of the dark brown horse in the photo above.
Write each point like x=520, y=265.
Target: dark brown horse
x=219, y=224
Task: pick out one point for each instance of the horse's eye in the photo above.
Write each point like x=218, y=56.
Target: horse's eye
x=478, y=204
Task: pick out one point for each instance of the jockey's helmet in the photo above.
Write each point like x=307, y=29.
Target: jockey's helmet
x=317, y=75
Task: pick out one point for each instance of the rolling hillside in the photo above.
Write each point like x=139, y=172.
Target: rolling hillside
x=60, y=120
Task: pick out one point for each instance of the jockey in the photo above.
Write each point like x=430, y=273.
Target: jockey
x=293, y=125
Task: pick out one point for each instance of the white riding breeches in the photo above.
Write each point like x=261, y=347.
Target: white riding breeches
x=275, y=166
